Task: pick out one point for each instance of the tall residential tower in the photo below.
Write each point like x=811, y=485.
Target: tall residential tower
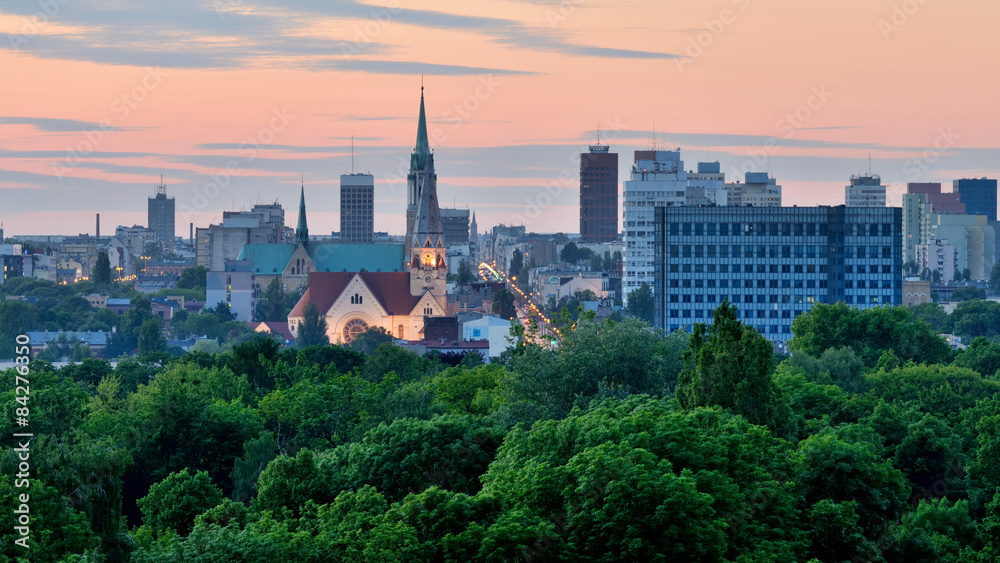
x=357, y=207
x=161, y=213
x=599, y=194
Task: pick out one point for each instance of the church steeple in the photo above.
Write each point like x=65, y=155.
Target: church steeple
x=418, y=160
x=428, y=264
x=302, y=231
x=415, y=179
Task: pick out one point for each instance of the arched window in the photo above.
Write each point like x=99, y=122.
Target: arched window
x=353, y=328
x=399, y=332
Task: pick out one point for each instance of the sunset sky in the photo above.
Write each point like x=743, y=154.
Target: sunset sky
x=100, y=97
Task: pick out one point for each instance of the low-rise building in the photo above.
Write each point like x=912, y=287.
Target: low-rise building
x=236, y=287
x=494, y=330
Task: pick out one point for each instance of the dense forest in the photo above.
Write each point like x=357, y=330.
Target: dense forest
x=874, y=441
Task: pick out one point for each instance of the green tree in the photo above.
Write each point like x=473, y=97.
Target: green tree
x=968, y=293
x=312, y=328
x=994, y=282
x=971, y=319
x=640, y=303
x=102, y=269
x=570, y=253
x=932, y=313
x=193, y=278
x=173, y=504
x=843, y=465
x=271, y=306
x=369, y=340
x=516, y=262
x=869, y=332
x=450, y=452
x=289, y=482
x=503, y=304
x=937, y=531
x=222, y=311
x=981, y=356
x=729, y=364
x=151, y=340
x=465, y=273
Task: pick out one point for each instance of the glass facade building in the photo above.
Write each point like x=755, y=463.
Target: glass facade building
x=773, y=263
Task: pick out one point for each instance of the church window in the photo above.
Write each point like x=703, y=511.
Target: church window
x=399, y=332
x=428, y=259
x=353, y=328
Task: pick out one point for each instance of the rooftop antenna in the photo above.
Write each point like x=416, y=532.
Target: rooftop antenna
x=654, y=135
x=161, y=188
x=352, y=154
x=598, y=132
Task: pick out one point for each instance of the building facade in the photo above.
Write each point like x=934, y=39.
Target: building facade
x=235, y=286
x=865, y=191
x=161, y=214
x=707, y=186
x=973, y=237
x=916, y=224
x=939, y=257
x=758, y=190
x=773, y=264
x=978, y=195
x=657, y=179
x=599, y=194
x=940, y=202
x=455, y=223
x=357, y=207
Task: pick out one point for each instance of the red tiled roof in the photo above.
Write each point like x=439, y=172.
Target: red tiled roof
x=392, y=289
x=276, y=328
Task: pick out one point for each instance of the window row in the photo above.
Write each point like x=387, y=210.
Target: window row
x=784, y=229
x=773, y=251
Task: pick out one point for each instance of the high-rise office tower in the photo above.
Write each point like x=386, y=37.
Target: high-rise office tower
x=599, y=194
x=773, y=264
x=161, y=213
x=978, y=195
x=357, y=207
x=657, y=179
x=865, y=190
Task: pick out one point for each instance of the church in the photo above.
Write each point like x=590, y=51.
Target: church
x=354, y=302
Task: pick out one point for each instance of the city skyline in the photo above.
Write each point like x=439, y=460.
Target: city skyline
x=177, y=90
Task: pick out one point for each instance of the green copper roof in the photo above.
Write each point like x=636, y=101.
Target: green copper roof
x=352, y=257
x=418, y=160
x=270, y=259
x=302, y=231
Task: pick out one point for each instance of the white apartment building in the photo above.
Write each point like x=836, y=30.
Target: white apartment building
x=759, y=190
x=658, y=179
x=707, y=186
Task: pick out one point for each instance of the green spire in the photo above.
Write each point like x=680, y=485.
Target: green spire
x=302, y=232
x=418, y=160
